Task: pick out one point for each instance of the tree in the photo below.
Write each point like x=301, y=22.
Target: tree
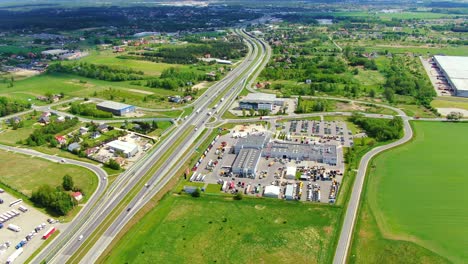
x=372, y=93
x=238, y=196
x=454, y=116
x=67, y=183
x=196, y=193
x=252, y=112
x=113, y=164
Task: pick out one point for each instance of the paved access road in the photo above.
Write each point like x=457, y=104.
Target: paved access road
x=344, y=241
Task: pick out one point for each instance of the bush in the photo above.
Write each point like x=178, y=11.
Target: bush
x=196, y=193
x=113, y=164
x=238, y=196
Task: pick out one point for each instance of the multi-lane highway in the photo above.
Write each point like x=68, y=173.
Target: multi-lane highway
x=66, y=244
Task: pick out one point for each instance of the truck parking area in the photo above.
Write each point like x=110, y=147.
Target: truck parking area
x=22, y=233
x=276, y=177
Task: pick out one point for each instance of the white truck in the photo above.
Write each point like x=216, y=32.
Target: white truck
x=13, y=227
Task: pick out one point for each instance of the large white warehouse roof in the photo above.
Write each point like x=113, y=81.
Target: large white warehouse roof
x=456, y=69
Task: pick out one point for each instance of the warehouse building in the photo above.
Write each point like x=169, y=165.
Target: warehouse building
x=246, y=162
x=319, y=153
x=115, y=108
x=126, y=148
x=251, y=142
x=290, y=173
x=260, y=101
x=455, y=70
x=289, y=192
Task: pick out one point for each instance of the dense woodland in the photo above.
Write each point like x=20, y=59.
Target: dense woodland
x=9, y=106
x=378, y=128
x=95, y=71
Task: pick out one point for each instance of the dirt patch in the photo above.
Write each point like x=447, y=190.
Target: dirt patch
x=140, y=91
x=327, y=229
x=259, y=207
x=201, y=85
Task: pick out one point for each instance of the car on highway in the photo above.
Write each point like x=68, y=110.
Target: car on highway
x=80, y=238
x=62, y=160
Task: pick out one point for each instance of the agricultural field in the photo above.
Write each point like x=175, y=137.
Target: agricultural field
x=24, y=173
x=413, y=212
x=216, y=229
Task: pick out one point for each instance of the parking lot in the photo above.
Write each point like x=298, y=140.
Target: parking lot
x=335, y=132
x=27, y=222
x=216, y=167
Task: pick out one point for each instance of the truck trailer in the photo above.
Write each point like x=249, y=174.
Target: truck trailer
x=13, y=227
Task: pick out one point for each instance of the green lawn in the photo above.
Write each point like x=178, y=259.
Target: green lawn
x=216, y=229
x=25, y=173
x=414, y=206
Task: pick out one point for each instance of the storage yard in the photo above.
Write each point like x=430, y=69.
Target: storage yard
x=24, y=229
x=256, y=162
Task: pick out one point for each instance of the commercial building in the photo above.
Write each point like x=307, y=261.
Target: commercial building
x=455, y=70
x=246, y=162
x=126, y=148
x=260, y=101
x=251, y=142
x=289, y=192
x=318, y=153
x=115, y=108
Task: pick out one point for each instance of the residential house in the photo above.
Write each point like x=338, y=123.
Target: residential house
x=95, y=135
x=61, y=139
x=103, y=128
x=13, y=120
x=77, y=196
x=74, y=146
x=83, y=130
x=44, y=120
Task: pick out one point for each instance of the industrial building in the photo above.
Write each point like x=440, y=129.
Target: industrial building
x=455, y=70
x=260, y=101
x=319, y=153
x=290, y=173
x=251, y=142
x=246, y=162
x=115, y=108
x=126, y=148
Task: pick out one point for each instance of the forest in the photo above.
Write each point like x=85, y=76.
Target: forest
x=95, y=71
x=174, y=78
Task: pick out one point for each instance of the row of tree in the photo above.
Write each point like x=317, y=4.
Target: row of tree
x=9, y=106
x=96, y=71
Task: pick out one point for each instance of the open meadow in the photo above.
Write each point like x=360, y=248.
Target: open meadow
x=25, y=173
x=217, y=229
x=414, y=206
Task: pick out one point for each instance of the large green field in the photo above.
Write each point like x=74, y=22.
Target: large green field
x=414, y=207
x=25, y=173
x=217, y=229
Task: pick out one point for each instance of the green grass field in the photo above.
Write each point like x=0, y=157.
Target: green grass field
x=450, y=102
x=110, y=59
x=25, y=173
x=414, y=207
x=216, y=229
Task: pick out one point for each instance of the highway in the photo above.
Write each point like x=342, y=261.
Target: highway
x=67, y=243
